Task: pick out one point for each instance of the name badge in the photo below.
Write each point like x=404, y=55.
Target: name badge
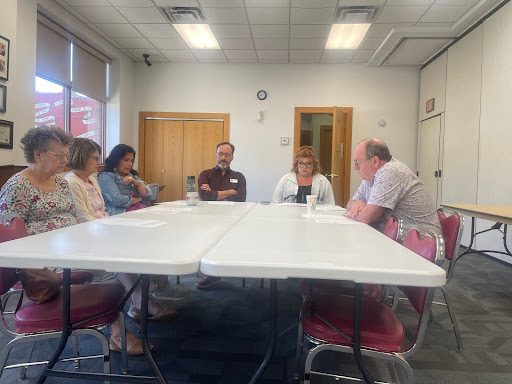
x=233, y=181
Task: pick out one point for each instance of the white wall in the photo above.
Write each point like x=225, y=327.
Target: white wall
x=374, y=93
x=433, y=86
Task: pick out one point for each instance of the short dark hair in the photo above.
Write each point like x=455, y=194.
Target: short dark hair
x=39, y=138
x=377, y=148
x=80, y=151
x=116, y=154
x=226, y=143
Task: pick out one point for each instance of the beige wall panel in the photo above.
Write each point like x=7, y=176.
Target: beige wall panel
x=154, y=151
x=173, y=155
x=433, y=85
x=192, y=150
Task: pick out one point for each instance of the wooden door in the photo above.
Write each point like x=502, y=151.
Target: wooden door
x=428, y=158
x=163, y=157
x=326, y=148
x=339, y=161
x=200, y=140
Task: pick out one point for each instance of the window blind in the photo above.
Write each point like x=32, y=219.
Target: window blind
x=53, y=57
x=89, y=74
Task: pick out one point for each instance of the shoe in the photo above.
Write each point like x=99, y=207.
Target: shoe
x=134, y=350
x=207, y=282
x=163, y=315
x=174, y=293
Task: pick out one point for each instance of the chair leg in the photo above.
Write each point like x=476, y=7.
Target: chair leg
x=262, y=283
x=298, y=352
x=124, y=348
x=243, y=283
x=178, y=279
x=408, y=370
x=452, y=317
x=396, y=299
x=28, y=356
x=76, y=352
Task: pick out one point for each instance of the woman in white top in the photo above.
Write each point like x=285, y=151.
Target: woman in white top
x=304, y=179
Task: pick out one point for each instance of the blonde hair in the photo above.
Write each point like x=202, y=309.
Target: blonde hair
x=308, y=152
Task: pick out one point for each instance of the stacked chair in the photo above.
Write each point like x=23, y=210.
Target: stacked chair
x=327, y=319
x=93, y=307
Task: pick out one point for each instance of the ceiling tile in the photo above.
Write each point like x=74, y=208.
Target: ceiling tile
x=271, y=43
x=361, y=3
x=177, y=55
x=142, y=15
x=221, y=3
x=444, y=13
x=434, y=25
x=312, y=16
x=99, y=31
x=272, y=54
x=382, y=30
x=456, y=2
x=78, y=15
x=151, y=52
x=307, y=43
x=305, y=54
x=119, y=30
x=62, y=3
x=113, y=42
x=130, y=55
x=157, y=30
x=241, y=54
x=208, y=54
x=363, y=54
x=236, y=44
x=340, y=61
x=309, y=31
x=268, y=15
x=88, y=3
x=338, y=54
x=102, y=14
x=304, y=61
x=314, y=4
x=401, y=14
x=280, y=31
x=370, y=43
x=274, y=61
x=225, y=15
x=267, y=3
x=176, y=3
x=213, y=61
x=158, y=60
x=132, y=3
x=415, y=51
x=227, y=31
x=410, y=2
x=243, y=61
x=168, y=43
x=133, y=42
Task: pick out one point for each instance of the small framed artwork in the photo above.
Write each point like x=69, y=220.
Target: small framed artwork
x=430, y=105
x=3, y=98
x=6, y=136
x=4, y=58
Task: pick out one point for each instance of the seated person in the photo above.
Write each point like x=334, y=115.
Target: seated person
x=43, y=199
x=304, y=179
x=123, y=190
x=121, y=187
x=389, y=187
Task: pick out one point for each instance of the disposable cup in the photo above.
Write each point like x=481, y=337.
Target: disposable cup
x=311, y=200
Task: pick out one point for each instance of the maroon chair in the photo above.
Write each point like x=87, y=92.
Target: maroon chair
x=328, y=324
x=93, y=307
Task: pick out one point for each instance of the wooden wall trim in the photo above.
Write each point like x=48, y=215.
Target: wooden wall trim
x=174, y=115
x=6, y=171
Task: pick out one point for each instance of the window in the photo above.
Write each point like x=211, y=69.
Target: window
x=50, y=103
x=87, y=117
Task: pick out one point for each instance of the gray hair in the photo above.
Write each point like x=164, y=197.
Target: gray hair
x=375, y=147
x=39, y=138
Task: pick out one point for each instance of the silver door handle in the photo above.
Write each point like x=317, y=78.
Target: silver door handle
x=331, y=175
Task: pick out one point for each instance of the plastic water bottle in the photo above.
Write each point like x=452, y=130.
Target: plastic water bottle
x=191, y=183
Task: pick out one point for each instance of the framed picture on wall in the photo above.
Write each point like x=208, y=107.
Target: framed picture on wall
x=430, y=105
x=3, y=98
x=4, y=58
x=6, y=134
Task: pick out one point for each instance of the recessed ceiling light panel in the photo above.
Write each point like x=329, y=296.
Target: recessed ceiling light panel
x=346, y=36
x=197, y=36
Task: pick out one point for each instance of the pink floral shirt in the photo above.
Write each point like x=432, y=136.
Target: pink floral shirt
x=41, y=211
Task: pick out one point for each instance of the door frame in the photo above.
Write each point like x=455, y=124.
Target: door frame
x=347, y=145
x=179, y=116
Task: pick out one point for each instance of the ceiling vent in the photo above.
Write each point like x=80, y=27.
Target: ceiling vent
x=355, y=15
x=184, y=15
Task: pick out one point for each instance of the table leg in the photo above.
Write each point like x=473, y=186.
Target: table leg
x=273, y=333
x=144, y=328
x=358, y=306
x=505, y=239
x=66, y=280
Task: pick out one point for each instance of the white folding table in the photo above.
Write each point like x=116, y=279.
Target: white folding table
x=174, y=248
x=276, y=242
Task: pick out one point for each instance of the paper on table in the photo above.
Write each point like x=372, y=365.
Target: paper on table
x=292, y=205
x=133, y=222
x=163, y=210
x=339, y=220
x=177, y=202
x=320, y=216
x=329, y=208
x=222, y=202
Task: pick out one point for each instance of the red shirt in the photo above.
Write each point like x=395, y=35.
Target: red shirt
x=217, y=182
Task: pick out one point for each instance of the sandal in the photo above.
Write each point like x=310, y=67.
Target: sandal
x=134, y=350
x=163, y=315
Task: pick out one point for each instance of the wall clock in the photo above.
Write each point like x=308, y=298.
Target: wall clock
x=262, y=95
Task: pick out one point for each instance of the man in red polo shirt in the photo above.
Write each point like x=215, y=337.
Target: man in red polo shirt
x=221, y=183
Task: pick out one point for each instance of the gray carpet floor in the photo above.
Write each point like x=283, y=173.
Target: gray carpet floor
x=221, y=336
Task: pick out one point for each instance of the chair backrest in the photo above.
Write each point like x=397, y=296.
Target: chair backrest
x=428, y=248
x=15, y=230
x=392, y=228
x=154, y=189
x=452, y=231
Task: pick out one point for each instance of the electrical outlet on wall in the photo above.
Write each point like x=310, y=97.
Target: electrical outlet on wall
x=285, y=141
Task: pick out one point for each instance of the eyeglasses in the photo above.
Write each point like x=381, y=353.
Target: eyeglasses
x=222, y=154
x=306, y=165
x=60, y=156
x=97, y=158
x=356, y=163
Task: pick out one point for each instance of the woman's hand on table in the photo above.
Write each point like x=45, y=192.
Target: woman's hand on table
x=131, y=180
